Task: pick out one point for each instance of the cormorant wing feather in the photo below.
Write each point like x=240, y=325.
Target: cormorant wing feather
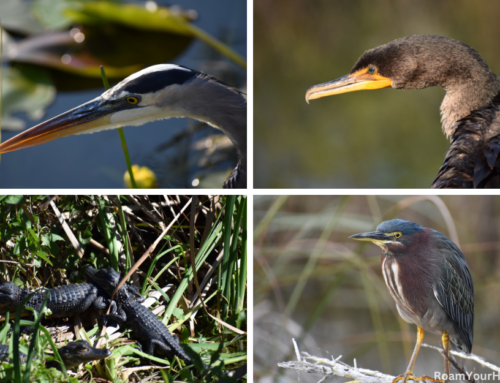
x=472, y=160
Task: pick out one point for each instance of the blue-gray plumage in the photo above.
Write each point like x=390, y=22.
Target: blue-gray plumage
x=158, y=92
x=430, y=281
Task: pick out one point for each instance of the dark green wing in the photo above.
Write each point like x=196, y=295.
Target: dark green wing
x=455, y=292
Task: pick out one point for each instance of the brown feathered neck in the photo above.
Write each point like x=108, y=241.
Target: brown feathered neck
x=420, y=61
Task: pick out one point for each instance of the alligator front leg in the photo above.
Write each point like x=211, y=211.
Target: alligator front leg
x=88, y=301
x=102, y=303
x=135, y=291
x=120, y=317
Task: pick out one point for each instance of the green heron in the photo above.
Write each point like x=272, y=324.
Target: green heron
x=428, y=277
x=470, y=110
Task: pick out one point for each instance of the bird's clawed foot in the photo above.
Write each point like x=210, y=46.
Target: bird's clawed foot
x=409, y=375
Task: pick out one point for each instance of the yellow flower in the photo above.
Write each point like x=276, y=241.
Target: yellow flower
x=144, y=178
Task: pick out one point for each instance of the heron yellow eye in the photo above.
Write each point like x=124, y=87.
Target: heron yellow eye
x=132, y=100
x=397, y=235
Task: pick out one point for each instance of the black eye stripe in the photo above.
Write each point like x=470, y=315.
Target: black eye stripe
x=154, y=81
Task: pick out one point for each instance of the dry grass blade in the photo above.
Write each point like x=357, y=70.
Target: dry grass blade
x=140, y=261
x=147, y=212
x=127, y=371
x=151, y=248
x=98, y=246
x=210, y=219
x=130, y=213
x=66, y=228
x=204, y=284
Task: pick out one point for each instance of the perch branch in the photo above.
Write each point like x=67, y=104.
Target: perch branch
x=473, y=357
x=335, y=368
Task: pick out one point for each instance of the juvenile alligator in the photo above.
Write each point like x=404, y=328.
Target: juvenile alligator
x=73, y=354
x=146, y=327
x=64, y=301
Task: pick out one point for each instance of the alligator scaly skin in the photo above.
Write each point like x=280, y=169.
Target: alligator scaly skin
x=64, y=301
x=73, y=354
x=146, y=327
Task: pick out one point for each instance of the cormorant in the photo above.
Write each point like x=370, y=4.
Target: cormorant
x=470, y=111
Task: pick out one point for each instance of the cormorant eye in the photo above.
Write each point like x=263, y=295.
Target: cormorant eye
x=372, y=70
x=397, y=235
x=132, y=100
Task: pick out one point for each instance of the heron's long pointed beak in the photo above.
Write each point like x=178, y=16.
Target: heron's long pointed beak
x=361, y=80
x=374, y=236
x=88, y=116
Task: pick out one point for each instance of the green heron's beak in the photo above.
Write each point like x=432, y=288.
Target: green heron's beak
x=360, y=80
x=93, y=115
x=375, y=237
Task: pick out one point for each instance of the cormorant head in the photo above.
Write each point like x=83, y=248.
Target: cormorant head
x=412, y=62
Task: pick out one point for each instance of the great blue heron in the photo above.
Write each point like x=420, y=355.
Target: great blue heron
x=157, y=92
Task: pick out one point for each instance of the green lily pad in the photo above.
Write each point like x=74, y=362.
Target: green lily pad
x=132, y=15
x=13, y=199
x=16, y=16
x=161, y=19
x=50, y=13
x=27, y=90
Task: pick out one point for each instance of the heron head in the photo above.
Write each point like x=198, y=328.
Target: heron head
x=150, y=94
x=395, y=235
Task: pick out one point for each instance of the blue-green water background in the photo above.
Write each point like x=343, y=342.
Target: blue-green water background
x=96, y=160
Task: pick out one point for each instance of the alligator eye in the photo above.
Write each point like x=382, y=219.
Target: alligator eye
x=132, y=100
x=372, y=70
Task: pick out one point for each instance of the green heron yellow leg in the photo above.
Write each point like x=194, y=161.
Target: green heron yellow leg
x=446, y=345
x=409, y=371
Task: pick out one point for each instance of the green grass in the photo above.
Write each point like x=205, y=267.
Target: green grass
x=122, y=137
x=39, y=254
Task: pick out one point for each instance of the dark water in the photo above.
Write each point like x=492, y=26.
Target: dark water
x=96, y=160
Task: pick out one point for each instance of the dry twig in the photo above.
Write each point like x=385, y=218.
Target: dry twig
x=335, y=368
